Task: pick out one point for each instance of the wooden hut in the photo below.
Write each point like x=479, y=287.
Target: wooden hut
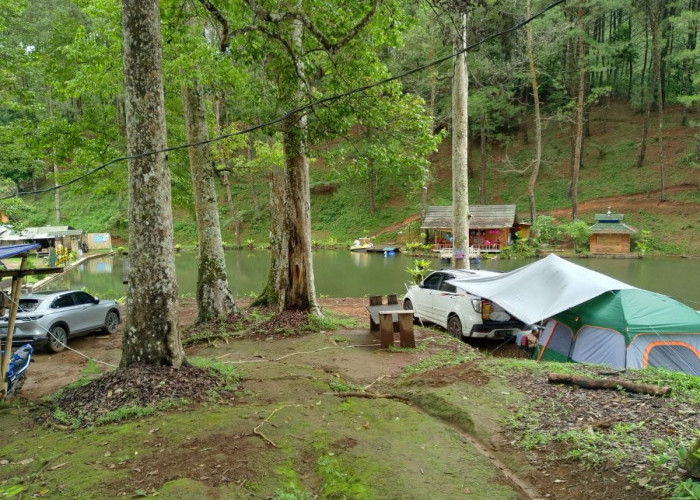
x=490, y=227
x=609, y=235
x=48, y=236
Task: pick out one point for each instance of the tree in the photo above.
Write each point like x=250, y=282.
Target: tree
x=151, y=332
x=460, y=145
x=214, y=298
x=538, y=123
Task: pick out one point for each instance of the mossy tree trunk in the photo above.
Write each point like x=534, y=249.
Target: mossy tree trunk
x=214, y=298
x=151, y=332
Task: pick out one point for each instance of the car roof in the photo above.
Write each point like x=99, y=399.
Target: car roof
x=45, y=295
x=469, y=273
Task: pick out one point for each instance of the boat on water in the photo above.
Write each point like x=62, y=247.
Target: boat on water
x=361, y=245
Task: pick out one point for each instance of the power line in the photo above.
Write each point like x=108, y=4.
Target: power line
x=294, y=111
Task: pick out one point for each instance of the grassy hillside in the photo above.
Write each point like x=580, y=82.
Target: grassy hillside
x=608, y=178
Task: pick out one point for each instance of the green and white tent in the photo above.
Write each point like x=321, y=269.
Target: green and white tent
x=629, y=328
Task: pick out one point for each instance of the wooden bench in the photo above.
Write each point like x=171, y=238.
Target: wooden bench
x=385, y=319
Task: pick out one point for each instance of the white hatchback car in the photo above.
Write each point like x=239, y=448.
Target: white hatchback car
x=462, y=314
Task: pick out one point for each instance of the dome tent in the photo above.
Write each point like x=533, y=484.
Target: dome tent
x=628, y=328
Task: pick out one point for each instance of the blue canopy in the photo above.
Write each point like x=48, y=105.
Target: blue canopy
x=15, y=250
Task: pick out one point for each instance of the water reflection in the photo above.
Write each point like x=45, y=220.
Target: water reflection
x=354, y=274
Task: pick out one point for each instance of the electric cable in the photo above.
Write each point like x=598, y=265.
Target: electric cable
x=294, y=111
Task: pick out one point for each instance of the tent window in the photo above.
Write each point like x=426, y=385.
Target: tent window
x=677, y=356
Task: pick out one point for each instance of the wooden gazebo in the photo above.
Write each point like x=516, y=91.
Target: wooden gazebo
x=609, y=235
x=490, y=227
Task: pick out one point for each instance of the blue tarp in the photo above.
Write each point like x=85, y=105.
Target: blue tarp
x=9, y=251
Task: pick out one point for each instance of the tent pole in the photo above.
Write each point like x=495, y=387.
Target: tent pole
x=14, y=305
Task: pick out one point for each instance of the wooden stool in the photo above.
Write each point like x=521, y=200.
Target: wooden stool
x=405, y=327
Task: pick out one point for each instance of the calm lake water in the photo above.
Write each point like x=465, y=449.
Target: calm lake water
x=341, y=273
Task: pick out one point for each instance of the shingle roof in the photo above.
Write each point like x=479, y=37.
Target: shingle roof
x=612, y=227
x=39, y=233
x=482, y=217
x=611, y=224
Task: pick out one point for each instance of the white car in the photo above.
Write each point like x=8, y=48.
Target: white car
x=462, y=314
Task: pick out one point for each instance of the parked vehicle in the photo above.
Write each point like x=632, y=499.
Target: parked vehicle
x=462, y=314
x=17, y=371
x=51, y=318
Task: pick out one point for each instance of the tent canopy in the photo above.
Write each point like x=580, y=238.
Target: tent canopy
x=10, y=251
x=633, y=312
x=542, y=289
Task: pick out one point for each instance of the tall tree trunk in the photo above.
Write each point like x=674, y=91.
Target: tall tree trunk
x=293, y=281
x=460, y=147
x=151, y=331
x=646, y=99
x=427, y=173
x=214, y=298
x=578, y=137
x=56, y=192
x=655, y=35
x=225, y=180
x=371, y=180
x=54, y=169
x=253, y=177
x=482, y=183
x=538, y=123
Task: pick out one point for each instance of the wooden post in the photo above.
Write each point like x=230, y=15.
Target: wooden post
x=392, y=299
x=406, y=329
x=375, y=300
x=14, y=305
x=386, y=328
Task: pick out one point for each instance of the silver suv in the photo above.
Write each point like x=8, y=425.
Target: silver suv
x=51, y=318
x=462, y=314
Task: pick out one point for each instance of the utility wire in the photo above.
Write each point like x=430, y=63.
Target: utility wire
x=294, y=111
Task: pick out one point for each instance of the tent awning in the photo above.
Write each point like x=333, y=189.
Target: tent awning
x=542, y=289
x=10, y=251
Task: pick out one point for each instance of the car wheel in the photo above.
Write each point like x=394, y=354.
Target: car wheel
x=111, y=322
x=454, y=327
x=58, y=336
x=408, y=305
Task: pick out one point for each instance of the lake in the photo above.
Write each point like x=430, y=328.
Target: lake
x=341, y=273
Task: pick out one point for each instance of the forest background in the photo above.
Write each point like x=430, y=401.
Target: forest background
x=374, y=160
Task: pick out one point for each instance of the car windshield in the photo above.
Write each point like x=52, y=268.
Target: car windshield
x=28, y=305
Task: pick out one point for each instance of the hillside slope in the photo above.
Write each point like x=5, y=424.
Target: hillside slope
x=340, y=213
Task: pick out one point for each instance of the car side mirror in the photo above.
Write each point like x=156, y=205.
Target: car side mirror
x=96, y=300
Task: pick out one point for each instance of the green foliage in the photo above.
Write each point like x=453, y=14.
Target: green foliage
x=521, y=248
x=687, y=490
x=421, y=268
x=644, y=243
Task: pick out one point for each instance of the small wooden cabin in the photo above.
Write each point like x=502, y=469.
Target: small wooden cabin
x=491, y=227
x=609, y=235
x=48, y=236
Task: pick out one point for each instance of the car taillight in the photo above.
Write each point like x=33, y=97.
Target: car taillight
x=476, y=304
x=485, y=309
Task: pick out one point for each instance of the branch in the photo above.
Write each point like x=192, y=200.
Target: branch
x=225, y=29
x=614, y=384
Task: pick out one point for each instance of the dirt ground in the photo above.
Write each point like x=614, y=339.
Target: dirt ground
x=528, y=474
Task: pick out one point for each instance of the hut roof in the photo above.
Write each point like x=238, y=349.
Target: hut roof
x=482, y=217
x=38, y=233
x=611, y=224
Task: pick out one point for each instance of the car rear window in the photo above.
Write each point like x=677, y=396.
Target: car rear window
x=28, y=305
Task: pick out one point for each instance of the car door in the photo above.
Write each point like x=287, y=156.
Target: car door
x=424, y=296
x=444, y=300
x=65, y=309
x=92, y=314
